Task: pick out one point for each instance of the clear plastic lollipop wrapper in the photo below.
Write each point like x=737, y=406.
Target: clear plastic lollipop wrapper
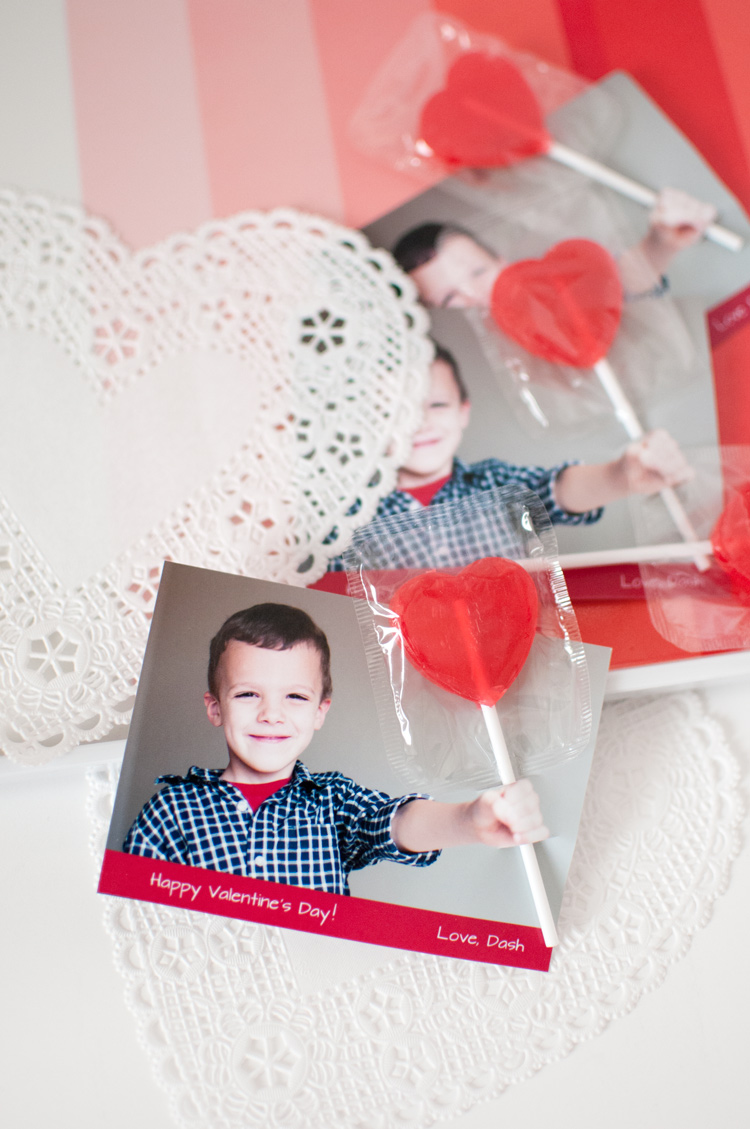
x=449, y=98
x=569, y=348
x=708, y=609
x=473, y=646
x=567, y=308
x=387, y=122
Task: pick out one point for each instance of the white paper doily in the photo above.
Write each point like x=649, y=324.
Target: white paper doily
x=221, y=399
x=247, y=1025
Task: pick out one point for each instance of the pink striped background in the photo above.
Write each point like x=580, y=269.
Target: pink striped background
x=186, y=109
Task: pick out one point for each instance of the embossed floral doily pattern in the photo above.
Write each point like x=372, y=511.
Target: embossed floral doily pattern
x=330, y=335
x=242, y=1033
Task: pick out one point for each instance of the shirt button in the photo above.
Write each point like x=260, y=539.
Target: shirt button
x=259, y=861
x=243, y=806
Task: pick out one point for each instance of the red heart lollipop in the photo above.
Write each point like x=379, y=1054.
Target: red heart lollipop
x=469, y=632
x=486, y=117
x=730, y=538
x=564, y=307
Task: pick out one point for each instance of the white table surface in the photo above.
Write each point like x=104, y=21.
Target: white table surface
x=69, y=1057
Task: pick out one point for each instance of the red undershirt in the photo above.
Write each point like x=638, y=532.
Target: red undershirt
x=425, y=494
x=255, y=794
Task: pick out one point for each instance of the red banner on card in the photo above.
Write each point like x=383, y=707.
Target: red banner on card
x=726, y=319
x=312, y=911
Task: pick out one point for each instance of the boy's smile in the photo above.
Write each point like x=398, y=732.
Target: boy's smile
x=269, y=705
x=461, y=274
x=443, y=424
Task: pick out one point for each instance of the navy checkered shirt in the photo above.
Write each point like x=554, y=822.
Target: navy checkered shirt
x=312, y=832
x=468, y=540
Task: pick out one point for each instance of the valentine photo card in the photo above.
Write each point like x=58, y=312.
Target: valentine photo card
x=470, y=901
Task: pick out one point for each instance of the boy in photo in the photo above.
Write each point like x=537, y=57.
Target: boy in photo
x=573, y=493
x=266, y=815
x=452, y=269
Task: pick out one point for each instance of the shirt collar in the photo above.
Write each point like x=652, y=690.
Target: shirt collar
x=301, y=775
x=195, y=775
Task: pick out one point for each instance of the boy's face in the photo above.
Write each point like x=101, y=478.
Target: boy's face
x=269, y=704
x=461, y=274
x=443, y=424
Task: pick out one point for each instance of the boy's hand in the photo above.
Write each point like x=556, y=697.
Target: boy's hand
x=646, y=467
x=678, y=220
x=507, y=817
x=653, y=463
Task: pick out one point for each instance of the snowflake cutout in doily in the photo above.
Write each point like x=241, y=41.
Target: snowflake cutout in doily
x=251, y=388
x=323, y=331
x=245, y=1031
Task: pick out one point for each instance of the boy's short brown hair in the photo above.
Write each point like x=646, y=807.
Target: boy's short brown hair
x=275, y=627
x=421, y=244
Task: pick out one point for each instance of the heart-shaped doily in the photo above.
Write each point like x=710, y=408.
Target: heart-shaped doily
x=469, y=632
x=487, y=115
x=223, y=399
x=564, y=307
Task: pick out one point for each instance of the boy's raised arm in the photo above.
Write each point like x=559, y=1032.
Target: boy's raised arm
x=676, y=222
x=645, y=467
x=503, y=817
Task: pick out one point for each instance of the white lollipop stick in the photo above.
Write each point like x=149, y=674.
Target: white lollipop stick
x=640, y=554
x=632, y=189
x=633, y=427
x=528, y=854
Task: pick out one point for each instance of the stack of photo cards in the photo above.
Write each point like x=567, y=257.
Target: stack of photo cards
x=524, y=411
x=202, y=845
